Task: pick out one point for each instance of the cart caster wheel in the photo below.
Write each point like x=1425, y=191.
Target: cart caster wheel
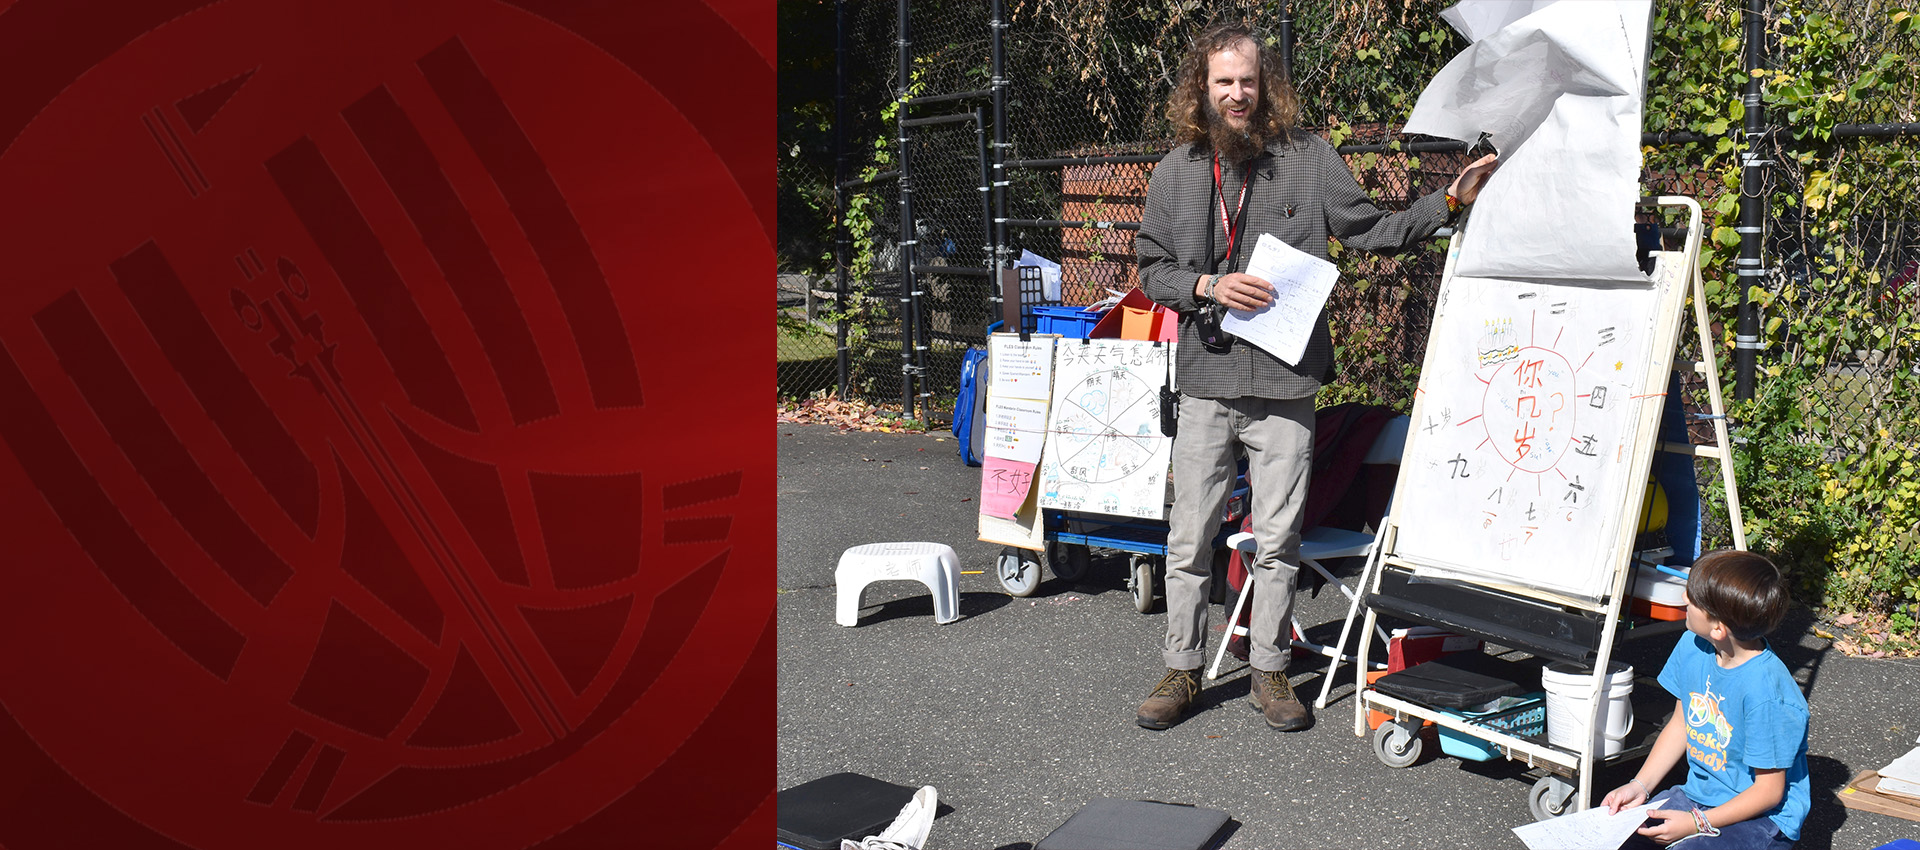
x=1550, y=798
x=1398, y=743
x=1019, y=571
x=1140, y=582
x=1068, y=561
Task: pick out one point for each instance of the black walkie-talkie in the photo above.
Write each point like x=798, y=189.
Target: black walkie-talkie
x=1169, y=398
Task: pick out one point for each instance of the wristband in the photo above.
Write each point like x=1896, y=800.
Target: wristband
x=1208, y=293
x=1701, y=825
x=1453, y=204
x=1643, y=786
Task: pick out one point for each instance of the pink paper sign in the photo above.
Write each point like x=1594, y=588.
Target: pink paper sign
x=1004, y=485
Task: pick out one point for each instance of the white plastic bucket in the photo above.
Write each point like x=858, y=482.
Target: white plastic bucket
x=1567, y=687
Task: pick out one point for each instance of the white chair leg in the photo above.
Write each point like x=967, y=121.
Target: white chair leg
x=1353, y=608
x=846, y=610
x=946, y=592
x=1221, y=653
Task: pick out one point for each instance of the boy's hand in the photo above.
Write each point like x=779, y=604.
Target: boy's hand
x=1624, y=797
x=1672, y=826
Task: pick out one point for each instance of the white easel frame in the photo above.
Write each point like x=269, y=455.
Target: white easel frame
x=1583, y=761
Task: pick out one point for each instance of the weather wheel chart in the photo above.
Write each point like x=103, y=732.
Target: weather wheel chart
x=353, y=496
x=1105, y=453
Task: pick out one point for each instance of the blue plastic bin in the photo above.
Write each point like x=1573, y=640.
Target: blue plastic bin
x=1522, y=719
x=1073, y=322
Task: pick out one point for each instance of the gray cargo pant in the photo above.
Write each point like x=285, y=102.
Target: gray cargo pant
x=1278, y=436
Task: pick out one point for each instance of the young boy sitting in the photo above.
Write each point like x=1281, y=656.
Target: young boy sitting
x=1740, y=719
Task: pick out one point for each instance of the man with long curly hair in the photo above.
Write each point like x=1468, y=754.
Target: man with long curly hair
x=1242, y=169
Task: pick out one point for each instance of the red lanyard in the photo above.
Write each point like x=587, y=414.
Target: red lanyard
x=1231, y=226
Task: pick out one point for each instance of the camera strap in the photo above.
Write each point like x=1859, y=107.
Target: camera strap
x=1207, y=318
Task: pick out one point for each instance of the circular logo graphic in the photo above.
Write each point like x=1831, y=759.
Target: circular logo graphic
x=360, y=492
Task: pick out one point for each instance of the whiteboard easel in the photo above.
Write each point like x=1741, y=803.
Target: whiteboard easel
x=1637, y=443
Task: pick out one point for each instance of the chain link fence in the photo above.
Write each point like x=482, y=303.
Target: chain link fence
x=1086, y=83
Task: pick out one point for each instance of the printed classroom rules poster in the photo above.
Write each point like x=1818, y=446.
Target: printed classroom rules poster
x=1105, y=453
x=1517, y=469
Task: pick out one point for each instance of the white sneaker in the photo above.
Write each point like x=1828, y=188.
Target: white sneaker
x=909, y=829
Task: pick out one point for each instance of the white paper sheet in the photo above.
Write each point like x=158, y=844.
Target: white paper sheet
x=1021, y=369
x=1477, y=19
x=1903, y=773
x=1301, y=284
x=1016, y=428
x=1592, y=829
x=1049, y=274
x=1559, y=91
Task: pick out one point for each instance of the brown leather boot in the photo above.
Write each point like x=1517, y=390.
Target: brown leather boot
x=1170, y=699
x=1273, y=695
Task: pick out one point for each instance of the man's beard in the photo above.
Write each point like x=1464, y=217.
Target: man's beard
x=1234, y=144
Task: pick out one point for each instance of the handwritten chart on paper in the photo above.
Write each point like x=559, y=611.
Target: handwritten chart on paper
x=1301, y=284
x=1105, y=453
x=1592, y=829
x=1531, y=397
x=1020, y=380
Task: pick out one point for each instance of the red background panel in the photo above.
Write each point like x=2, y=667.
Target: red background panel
x=367, y=477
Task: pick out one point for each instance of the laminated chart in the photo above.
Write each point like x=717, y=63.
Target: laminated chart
x=1105, y=453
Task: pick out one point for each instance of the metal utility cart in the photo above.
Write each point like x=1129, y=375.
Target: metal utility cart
x=1071, y=537
x=1543, y=624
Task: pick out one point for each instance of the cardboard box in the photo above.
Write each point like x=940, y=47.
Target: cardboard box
x=1863, y=793
x=1137, y=317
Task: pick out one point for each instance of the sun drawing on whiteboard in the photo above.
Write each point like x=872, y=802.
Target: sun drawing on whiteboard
x=1542, y=398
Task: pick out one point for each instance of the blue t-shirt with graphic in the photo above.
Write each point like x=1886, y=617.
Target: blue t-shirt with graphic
x=1738, y=720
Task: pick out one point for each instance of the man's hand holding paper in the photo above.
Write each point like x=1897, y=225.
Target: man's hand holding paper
x=1279, y=301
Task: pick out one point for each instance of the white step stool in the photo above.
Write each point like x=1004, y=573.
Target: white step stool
x=932, y=564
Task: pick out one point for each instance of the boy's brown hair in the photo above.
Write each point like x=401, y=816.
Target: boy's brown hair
x=1744, y=590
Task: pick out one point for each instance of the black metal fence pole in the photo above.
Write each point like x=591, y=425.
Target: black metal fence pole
x=1749, y=268
x=1286, y=40
x=1002, y=254
x=991, y=249
x=842, y=242
x=905, y=252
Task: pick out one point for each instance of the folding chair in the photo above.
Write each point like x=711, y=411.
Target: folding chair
x=1321, y=543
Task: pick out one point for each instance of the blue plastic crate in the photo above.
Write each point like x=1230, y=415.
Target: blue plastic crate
x=1522, y=719
x=1073, y=322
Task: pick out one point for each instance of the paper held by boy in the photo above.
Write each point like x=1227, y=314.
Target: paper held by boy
x=1592, y=829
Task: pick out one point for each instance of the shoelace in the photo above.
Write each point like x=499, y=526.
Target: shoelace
x=1167, y=686
x=1277, y=684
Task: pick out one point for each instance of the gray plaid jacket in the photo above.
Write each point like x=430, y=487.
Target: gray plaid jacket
x=1302, y=193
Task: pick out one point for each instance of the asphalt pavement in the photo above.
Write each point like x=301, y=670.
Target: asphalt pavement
x=1022, y=711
